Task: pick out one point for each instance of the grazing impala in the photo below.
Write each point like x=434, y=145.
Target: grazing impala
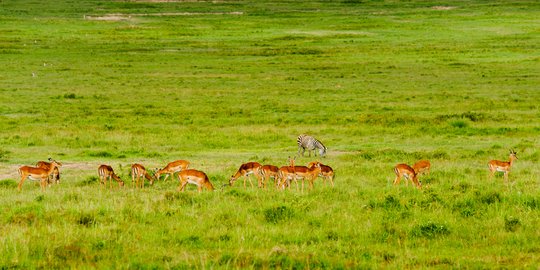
x=404, y=170
x=198, y=178
x=138, y=173
x=502, y=166
x=106, y=171
x=422, y=166
x=286, y=174
x=245, y=170
x=268, y=171
x=305, y=173
x=54, y=177
x=171, y=168
x=37, y=173
x=327, y=173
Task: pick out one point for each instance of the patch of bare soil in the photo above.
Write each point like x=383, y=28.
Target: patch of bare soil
x=9, y=172
x=125, y=17
x=442, y=7
x=12, y=171
x=174, y=1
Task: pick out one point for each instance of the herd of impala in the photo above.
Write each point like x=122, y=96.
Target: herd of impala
x=48, y=172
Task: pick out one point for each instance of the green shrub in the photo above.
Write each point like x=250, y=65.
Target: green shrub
x=459, y=124
x=511, y=224
x=278, y=214
x=87, y=219
x=90, y=180
x=430, y=230
x=8, y=184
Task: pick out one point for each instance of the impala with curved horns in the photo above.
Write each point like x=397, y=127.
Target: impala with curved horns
x=502, y=166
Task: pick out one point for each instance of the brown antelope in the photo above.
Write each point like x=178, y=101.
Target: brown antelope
x=37, y=173
x=305, y=173
x=268, y=171
x=54, y=177
x=138, y=173
x=106, y=171
x=198, y=178
x=404, y=170
x=245, y=170
x=171, y=168
x=502, y=166
x=327, y=173
x=286, y=174
x=422, y=166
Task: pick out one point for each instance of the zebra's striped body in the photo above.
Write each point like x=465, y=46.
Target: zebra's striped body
x=307, y=142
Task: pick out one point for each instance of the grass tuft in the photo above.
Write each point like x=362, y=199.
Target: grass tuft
x=430, y=230
x=8, y=184
x=277, y=214
x=511, y=224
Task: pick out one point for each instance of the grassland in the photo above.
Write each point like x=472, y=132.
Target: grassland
x=226, y=82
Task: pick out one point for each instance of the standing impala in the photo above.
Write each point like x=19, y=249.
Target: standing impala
x=138, y=173
x=502, y=166
x=171, y=168
x=198, y=178
x=54, y=177
x=106, y=171
x=327, y=173
x=305, y=173
x=245, y=170
x=404, y=170
x=37, y=173
x=422, y=166
x=286, y=174
x=268, y=171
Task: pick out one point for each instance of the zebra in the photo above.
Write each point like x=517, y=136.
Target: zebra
x=307, y=142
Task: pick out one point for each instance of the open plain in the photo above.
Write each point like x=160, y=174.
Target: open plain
x=221, y=83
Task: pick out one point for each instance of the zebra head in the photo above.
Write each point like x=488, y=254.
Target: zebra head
x=322, y=151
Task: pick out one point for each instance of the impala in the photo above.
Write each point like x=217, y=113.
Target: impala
x=245, y=170
x=198, y=178
x=422, y=167
x=502, y=166
x=171, y=168
x=404, y=170
x=37, y=173
x=286, y=174
x=138, y=173
x=268, y=171
x=327, y=173
x=54, y=177
x=106, y=171
x=305, y=173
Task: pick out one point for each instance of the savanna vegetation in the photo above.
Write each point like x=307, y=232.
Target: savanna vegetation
x=220, y=83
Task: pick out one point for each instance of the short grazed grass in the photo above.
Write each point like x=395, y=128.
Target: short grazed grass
x=226, y=82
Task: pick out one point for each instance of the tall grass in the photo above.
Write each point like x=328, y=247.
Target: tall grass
x=222, y=83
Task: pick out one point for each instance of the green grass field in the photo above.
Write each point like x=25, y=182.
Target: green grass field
x=220, y=83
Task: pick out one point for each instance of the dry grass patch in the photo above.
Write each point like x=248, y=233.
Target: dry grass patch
x=443, y=7
x=125, y=17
